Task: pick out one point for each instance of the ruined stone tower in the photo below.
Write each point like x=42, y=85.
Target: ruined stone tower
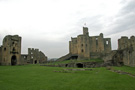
x=125, y=55
x=34, y=56
x=126, y=49
x=83, y=44
x=11, y=50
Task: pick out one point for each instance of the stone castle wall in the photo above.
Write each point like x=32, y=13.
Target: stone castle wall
x=34, y=56
x=125, y=55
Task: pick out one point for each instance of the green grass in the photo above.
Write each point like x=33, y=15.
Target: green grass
x=74, y=61
x=35, y=77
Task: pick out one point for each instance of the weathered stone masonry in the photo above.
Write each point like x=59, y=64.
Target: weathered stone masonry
x=34, y=56
x=10, y=51
x=126, y=51
x=86, y=47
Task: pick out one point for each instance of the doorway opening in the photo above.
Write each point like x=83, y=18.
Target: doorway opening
x=66, y=65
x=13, y=60
x=35, y=62
x=79, y=65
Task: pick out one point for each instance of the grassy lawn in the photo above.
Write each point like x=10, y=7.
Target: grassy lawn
x=35, y=77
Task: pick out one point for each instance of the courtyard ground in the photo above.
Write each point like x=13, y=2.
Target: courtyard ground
x=36, y=77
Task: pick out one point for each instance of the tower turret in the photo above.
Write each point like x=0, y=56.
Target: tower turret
x=85, y=31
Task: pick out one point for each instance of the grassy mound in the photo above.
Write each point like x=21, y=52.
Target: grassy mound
x=73, y=61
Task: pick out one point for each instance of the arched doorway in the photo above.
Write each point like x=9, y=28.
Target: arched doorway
x=13, y=60
x=79, y=65
x=66, y=65
x=35, y=62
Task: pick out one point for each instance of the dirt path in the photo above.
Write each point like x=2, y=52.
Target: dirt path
x=122, y=72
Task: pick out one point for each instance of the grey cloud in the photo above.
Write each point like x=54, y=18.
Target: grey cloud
x=123, y=24
x=94, y=23
x=125, y=19
x=124, y=1
x=129, y=8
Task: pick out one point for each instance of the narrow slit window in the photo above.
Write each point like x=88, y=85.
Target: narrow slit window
x=82, y=50
x=82, y=45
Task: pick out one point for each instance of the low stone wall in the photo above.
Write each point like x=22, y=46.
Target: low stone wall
x=83, y=64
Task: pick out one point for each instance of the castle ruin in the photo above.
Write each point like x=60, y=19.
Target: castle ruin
x=93, y=47
x=126, y=51
x=34, y=56
x=82, y=47
x=10, y=53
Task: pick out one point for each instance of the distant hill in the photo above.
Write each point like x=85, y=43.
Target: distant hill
x=52, y=59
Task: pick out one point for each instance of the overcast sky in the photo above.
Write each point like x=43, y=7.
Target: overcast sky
x=49, y=24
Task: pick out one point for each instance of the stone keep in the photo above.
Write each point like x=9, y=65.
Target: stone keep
x=10, y=51
x=86, y=47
